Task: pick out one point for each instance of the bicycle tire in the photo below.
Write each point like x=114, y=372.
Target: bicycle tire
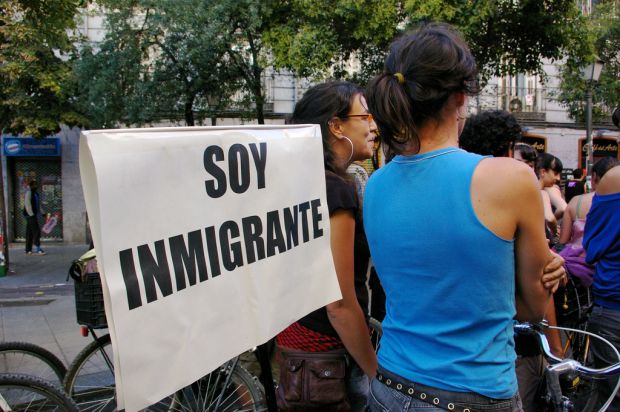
x=21, y=393
x=30, y=359
x=89, y=379
x=242, y=392
x=90, y=382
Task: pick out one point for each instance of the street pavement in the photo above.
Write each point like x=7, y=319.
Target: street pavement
x=37, y=303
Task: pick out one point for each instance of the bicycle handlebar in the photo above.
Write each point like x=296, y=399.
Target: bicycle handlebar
x=563, y=365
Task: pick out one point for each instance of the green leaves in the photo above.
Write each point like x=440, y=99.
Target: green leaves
x=34, y=74
x=602, y=40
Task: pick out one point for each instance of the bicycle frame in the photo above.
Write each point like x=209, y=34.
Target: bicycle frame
x=560, y=366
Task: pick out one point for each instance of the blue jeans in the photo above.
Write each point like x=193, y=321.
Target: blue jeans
x=605, y=323
x=385, y=399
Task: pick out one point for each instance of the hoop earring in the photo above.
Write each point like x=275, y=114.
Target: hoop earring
x=351, y=143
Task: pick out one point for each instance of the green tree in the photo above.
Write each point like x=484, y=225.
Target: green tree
x=604, y=42
x=507, y=37
x=34, y=73
x=159, y=60
x=317, y=41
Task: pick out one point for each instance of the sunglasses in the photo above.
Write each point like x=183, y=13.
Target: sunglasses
x=367, y=116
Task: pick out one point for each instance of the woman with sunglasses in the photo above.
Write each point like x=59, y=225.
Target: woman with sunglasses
x=340, y=109
x=457, y=239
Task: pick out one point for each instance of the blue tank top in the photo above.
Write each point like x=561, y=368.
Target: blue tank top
x=449, y=281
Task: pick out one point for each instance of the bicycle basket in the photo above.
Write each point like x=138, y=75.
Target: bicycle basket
x=89, y=305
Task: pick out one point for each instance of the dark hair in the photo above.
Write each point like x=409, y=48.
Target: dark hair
x=577, y=174
x=603, y=165
x=527, y=152
x=547, y=161
x=421, y=72
x=490, y=133
x=321, y=103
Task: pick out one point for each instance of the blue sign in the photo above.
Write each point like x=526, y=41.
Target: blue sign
x=27, y=146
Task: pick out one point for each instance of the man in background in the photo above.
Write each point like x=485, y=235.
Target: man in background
x=31, y=213
x=575, y=186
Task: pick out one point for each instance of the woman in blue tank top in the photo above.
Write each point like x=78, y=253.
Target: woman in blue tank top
x=457, y=239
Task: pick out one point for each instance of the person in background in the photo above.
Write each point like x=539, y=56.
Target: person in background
x=32, y=211
x=376, y=296
x=525, y=153
x=573, y=225
x=601, y=240
x=340, y=109
x=434, y=215
x=491, y=133
x=575, y=186
x=548, y=169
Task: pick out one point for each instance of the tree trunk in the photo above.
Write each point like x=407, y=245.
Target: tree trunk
x=189, y=112
x=257, y=89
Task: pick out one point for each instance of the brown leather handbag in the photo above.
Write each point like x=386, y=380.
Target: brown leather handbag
x=312, y=381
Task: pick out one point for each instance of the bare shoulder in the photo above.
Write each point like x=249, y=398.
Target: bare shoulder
x=610, y=183
x=507, y=175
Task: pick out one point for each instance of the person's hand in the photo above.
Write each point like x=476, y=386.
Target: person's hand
x=554, y=273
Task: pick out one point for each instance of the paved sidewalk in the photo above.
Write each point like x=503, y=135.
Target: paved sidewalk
x=37, y=305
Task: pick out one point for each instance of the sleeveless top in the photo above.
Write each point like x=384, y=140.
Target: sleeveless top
x=449, y=281
x=314, y=332
x=574, y=254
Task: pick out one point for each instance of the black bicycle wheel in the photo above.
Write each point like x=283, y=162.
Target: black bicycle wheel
x=29, y=359
x=230, y=388
x=90, y=377
x=22, y=393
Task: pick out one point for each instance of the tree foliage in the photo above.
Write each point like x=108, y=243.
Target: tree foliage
x=164, y=59
x=159, y=60
x=506, y=36
x=604, y=41
x=34, y=75
x=317, y=41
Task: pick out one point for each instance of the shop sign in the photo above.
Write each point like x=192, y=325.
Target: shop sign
x=537, y=142
x=28, y=146
x=602, y=147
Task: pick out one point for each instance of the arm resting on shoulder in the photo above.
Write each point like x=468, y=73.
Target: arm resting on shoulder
x=346, y=315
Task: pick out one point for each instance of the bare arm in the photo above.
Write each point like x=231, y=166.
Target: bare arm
x=531, y=251
x=346, y=315
x=610, y=183
x=558, y=202
x=566, y=229
x=549, y=216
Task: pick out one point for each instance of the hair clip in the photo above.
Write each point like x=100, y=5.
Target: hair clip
x=400, y=78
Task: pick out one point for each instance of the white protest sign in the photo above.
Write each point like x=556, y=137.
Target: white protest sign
x=210, y=241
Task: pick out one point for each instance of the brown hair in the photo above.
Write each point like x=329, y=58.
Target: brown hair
x=421, y=72
x=321, y=103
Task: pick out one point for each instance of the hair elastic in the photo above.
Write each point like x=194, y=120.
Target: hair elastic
x=400, y=77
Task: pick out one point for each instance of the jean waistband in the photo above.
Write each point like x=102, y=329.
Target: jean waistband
x=441, y=398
